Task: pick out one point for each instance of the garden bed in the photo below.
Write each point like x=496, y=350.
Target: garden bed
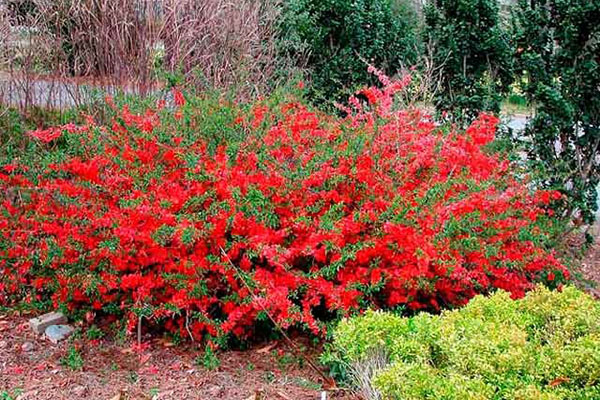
x=110, y=369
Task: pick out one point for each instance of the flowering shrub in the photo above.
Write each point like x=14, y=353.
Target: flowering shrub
x=298, y=213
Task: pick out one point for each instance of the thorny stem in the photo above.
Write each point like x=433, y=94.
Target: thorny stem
x=187, y=325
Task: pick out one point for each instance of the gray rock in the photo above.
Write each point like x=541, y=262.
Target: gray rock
x=27, y=346
x=57, y=333
x=39, y=324
x=79, y=390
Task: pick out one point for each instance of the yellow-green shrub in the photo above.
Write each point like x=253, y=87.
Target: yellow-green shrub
x=544, y=346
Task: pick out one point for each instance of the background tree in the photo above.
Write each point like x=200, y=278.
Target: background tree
x=475, y=53
x=333, y=40
x=558, y=52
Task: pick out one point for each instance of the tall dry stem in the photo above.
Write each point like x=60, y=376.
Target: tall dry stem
x=51, y=50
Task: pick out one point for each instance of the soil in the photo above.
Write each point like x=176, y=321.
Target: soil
x=33, y=368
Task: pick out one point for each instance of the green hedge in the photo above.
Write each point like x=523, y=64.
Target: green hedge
x=335, y=39
x=557, y=50
x=473, y=51
x=544, y=346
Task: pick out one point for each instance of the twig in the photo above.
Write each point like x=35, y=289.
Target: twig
x=139, y=332
x=187, y=325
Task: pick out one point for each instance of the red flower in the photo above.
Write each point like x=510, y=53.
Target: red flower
x=178, y=98
x=46, y=135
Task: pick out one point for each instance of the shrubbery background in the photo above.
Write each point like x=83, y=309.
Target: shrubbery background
x=284, y=73
x=335, y=39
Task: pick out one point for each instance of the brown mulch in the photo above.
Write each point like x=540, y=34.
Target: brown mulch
x=161, y=371
x=590, y=266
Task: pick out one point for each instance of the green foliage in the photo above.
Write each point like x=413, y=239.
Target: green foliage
x=558, y=47
x=209, y=359
x=335, y=39
x=14, y=124
x=307, y=384
x=473, y=51
x=72, y=359
x=544, y=346
x=517, y=100
x=6, y=395
x=212, y=117
x=94, y=333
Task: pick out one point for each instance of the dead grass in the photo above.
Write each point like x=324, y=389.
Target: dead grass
x=362, y=373
x=208, y=44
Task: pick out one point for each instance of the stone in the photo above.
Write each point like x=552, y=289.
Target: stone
x=57, y=333
x=39, y=324
x=27, y=346
x=79, y=390
x=215, y=391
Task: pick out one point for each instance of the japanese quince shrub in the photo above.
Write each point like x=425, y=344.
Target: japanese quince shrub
x=543, y=346
x=291, y=213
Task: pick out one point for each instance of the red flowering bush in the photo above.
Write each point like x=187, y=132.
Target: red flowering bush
x=299, y=213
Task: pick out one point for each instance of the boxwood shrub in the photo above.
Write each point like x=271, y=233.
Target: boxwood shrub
x=543, y=346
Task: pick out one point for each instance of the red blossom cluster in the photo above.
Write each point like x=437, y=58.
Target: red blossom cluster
x=310, y=216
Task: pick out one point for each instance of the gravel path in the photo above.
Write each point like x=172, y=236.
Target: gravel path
x=53, y=93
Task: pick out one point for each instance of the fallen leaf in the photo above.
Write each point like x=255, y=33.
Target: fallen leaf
x=28, y=395
x=283, y=395
x=165, y=343
x=330, y=385
x=267, y=348
x=144, y=358
x=560, y=380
